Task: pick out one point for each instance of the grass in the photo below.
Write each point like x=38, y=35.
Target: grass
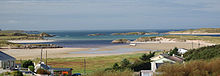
x=201, y=30
x=210, y=39
x=93, y=64
x=192, y=68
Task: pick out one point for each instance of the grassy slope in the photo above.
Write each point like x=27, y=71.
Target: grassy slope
x=201, y=30
x=210, y=39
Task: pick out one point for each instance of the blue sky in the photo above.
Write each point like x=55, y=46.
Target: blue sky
x=108, y=14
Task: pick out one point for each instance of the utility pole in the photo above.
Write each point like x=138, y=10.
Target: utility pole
x=46, y=57
x=41, y=56
x=84, y=66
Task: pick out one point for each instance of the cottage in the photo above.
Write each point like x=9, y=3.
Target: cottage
x=182, y=50
x=164, y=58
x=6, y=61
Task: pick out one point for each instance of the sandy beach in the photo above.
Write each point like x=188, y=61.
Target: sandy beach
x=72, y=52
x=30, y=41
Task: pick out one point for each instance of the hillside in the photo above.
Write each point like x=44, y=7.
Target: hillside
x=198, y=31
x=208, y=52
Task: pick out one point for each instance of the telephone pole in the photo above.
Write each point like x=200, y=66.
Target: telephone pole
x=46, y=57
x=41, y=55
x=84, y=66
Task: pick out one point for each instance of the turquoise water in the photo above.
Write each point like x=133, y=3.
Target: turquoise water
x=80, y=38
x=72, y=38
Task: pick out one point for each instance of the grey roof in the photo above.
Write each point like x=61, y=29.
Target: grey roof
x=61, y=69
x=5, y=57
x=174, y=58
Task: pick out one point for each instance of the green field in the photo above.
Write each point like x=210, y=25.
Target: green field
x=92, y=63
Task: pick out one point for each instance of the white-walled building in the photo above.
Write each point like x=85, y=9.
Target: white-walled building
x=182, y=51
x=163, y=58
x=6, y=61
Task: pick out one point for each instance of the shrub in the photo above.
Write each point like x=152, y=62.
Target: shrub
x=42, y=71
x=174, y=51
x=125, y=63
x=31, y=68
x=140, y=65
x=145, y=57
x=203, y=53
x=17, y=73
x=27, y=63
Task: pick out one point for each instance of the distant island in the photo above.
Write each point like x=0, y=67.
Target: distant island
x=11, y=38
x=97, y=34
x=201, y=31
x=135, y=33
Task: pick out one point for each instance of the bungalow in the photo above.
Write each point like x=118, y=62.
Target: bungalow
x=182, y=50
x=54, y=71
x=163, y=58
x=6, y=61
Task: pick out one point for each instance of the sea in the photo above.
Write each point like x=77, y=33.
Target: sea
x=80, y=38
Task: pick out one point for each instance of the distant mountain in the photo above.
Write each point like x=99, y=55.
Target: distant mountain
x=198, y=31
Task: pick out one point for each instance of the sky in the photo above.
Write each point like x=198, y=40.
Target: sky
x=108, y=14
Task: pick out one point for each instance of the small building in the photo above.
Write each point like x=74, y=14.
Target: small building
x=146, y=73
x=62, y=71
x=182, y=51
x=164, y=58
x=6, y=61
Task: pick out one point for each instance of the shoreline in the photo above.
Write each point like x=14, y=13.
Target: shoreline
x=30, y=41
x=25, y=54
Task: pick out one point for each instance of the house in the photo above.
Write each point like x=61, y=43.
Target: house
x=182, y=50
x=146, y=73
x=164, y=58
x=6, y=61
x=54, y=71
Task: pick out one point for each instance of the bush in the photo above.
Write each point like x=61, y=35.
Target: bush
x=203, y=53
x=27, y=63
x=174, y=51
x=145, y=57
x=17, y=73
x=125, y=63
x=42, y=71
x=140, y=65
x=31, y=68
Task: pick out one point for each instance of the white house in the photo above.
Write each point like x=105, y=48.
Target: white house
x=182, y=50
x=6, y=61
x=164, y=58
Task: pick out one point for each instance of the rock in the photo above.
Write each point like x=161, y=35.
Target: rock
x=145, y=39
x=98, y=34
x=43, y=34
x=121, y=41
